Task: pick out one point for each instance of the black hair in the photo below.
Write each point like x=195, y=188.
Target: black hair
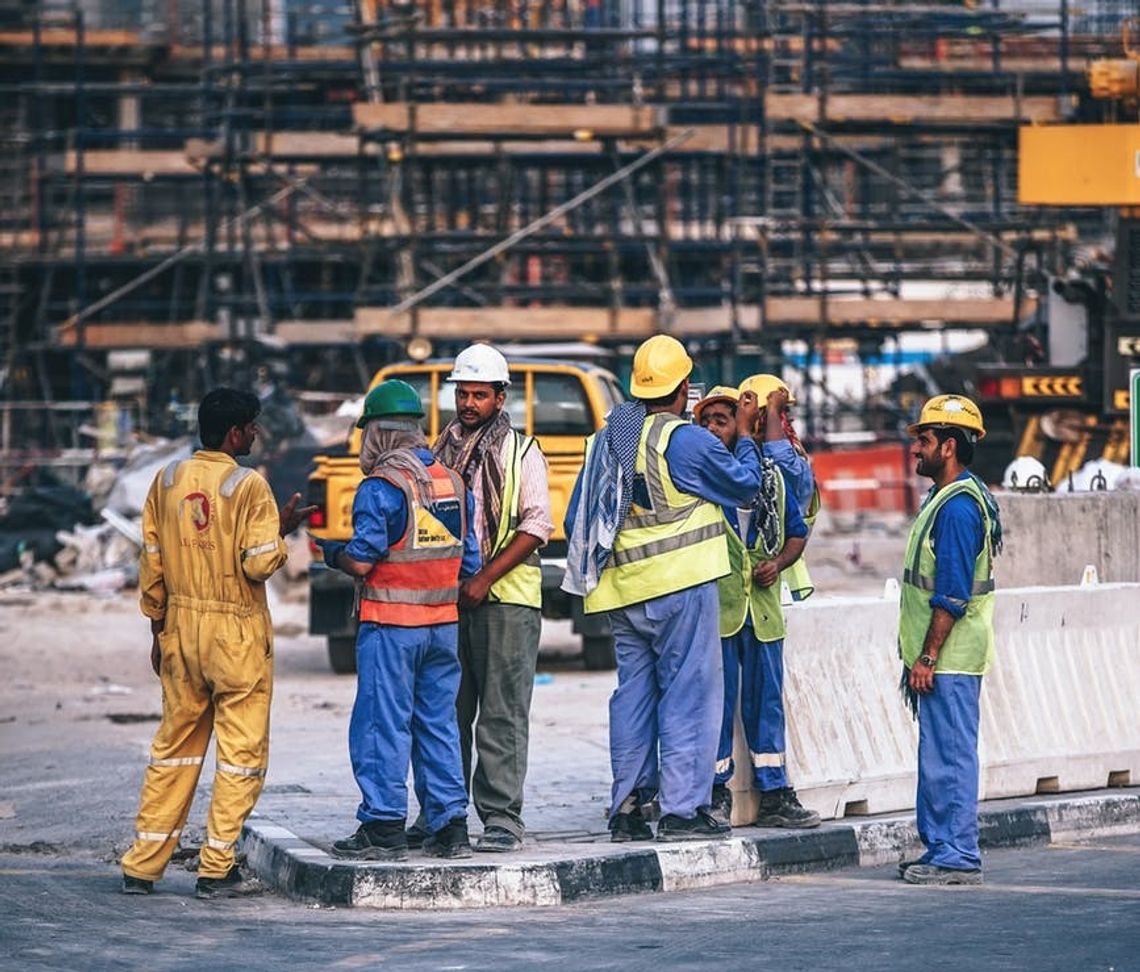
x=223, y=409
x=663, y=401
x=499, y=387
x=963, y=444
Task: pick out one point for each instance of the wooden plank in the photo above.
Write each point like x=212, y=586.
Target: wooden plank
x=66, y=37
x=509, y=322
x=907, y=109
x=130, y=162
x=315, y=332
x=845, y=312
x=447, y=118
x=309, y=145
x=183, y=334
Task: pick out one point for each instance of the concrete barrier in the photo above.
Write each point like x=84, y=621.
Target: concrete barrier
x=1059, y=709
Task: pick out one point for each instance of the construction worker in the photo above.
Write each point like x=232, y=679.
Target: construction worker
x=764, y=540
x=647, y=545
x=412, y=540
x=212, y=537
x=780, y=443
x=500, y=618
x=946, y=636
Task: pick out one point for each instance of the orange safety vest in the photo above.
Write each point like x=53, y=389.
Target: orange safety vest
x=417, y=584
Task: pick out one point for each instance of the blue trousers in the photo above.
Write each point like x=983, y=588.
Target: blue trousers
x=406, y=683
x=946, y=806
x=755, y=670
x=665, y=712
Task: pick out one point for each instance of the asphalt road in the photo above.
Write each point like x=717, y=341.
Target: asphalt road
x=1074, y=908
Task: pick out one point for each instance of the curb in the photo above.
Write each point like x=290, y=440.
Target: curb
x=303, y=871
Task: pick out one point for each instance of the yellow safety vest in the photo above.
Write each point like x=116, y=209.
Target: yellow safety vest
x=797, y=577
x=969, y=648
x=740, y=597
x=523, y=584
x=675, y=543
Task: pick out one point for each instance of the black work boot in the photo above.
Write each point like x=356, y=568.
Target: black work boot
x=629, y=823
x=782, y=808
x=377, y=840
x=134, y=885
x=721, y=806
x=450, y=841
x=233, y=885
x=417, y=833
x=704, y=826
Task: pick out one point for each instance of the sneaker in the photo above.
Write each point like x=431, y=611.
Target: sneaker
x=497, y=840
x=933, y=874
x=417, y=833
x=450, y=841
x=626, y=827
x=233, y=885
x=721, y=806
x=377, y=840
x=704, y=826
x=134, y=885
x=782, y=808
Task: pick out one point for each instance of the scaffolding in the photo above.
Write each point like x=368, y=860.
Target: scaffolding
x=309, y=177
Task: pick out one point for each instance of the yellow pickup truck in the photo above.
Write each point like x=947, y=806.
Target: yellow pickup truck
x=558, y=402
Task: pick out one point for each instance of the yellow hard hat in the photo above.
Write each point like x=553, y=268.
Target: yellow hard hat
x=955, y=410
x=763, y=385
x=718, y=393
x=659, y=367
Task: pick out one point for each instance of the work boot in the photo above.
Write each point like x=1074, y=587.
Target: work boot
x=417, y=833
x=704, y=826
x=450, y=841
x=497, y=840
x=134, y=885
x=933, y=874
x=904, y=866
x=377, y=840
x=626, y=827
x=782, y=808
x=233, y=885
x=721, y=806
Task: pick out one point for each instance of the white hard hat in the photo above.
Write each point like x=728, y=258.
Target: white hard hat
x=1025, y=472
x=482, y=363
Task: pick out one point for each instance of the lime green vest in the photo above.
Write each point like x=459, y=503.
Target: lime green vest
x=523, y=584
x=675, y=543
x=797, y=577
x=969, y=648
x=740, y=597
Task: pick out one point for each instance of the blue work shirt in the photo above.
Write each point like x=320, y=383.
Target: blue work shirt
x=794, y=523
x=958, y=532
x=380, y=516
x=798, y=475
x=699, y=464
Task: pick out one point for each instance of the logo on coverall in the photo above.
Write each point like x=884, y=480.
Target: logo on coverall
x=199, y=506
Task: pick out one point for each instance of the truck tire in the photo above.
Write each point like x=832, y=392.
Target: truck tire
x=598, y=653
x=342, y=654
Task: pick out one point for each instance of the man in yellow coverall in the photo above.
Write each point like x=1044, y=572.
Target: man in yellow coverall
x=212, y=536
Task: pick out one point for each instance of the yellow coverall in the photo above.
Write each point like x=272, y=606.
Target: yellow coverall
x=210, y=536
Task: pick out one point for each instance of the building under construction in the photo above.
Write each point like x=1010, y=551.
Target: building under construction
x=225, y=183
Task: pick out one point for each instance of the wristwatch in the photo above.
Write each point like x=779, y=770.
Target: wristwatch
x=927, y=660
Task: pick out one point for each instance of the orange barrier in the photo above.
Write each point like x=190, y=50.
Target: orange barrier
x=877, y=479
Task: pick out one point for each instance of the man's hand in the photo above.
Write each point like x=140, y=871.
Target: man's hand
x=921, y=678
x=291, y=517
x=746, y=411
x=474, y=590
x=766, y=573
x=772, y=415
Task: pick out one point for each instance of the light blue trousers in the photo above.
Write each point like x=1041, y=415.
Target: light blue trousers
x=406, y=683
x=665, y=713
x=946, y=806
x=755, y=670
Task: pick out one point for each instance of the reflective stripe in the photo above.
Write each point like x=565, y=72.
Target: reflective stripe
x=169, y=472
x=177, y=761
x=408, y=555
x=668, y=545
x=260, y=549
x=768, y=759
x=913, y=577
x=661, y=511
x=153, y=835
x=222, y=845
x=723, y=765
x=153, y=548
x=234, y=480
x=240, y=770
x=446, y=595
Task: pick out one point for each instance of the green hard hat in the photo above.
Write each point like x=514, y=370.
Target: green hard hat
x=391, y=399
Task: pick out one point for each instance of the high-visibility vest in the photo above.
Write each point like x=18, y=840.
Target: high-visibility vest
x=675, y=543
x=969, y=648
x=797, y=577
x=740, y=596
x=417, y=583
x=523, y=583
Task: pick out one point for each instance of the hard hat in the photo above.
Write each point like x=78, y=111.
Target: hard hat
x=718, y=393
x=481, y=363
x=950, y=410
x=1026, y=473
x=763, y=385
x=659, y=367
x=391, y=399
